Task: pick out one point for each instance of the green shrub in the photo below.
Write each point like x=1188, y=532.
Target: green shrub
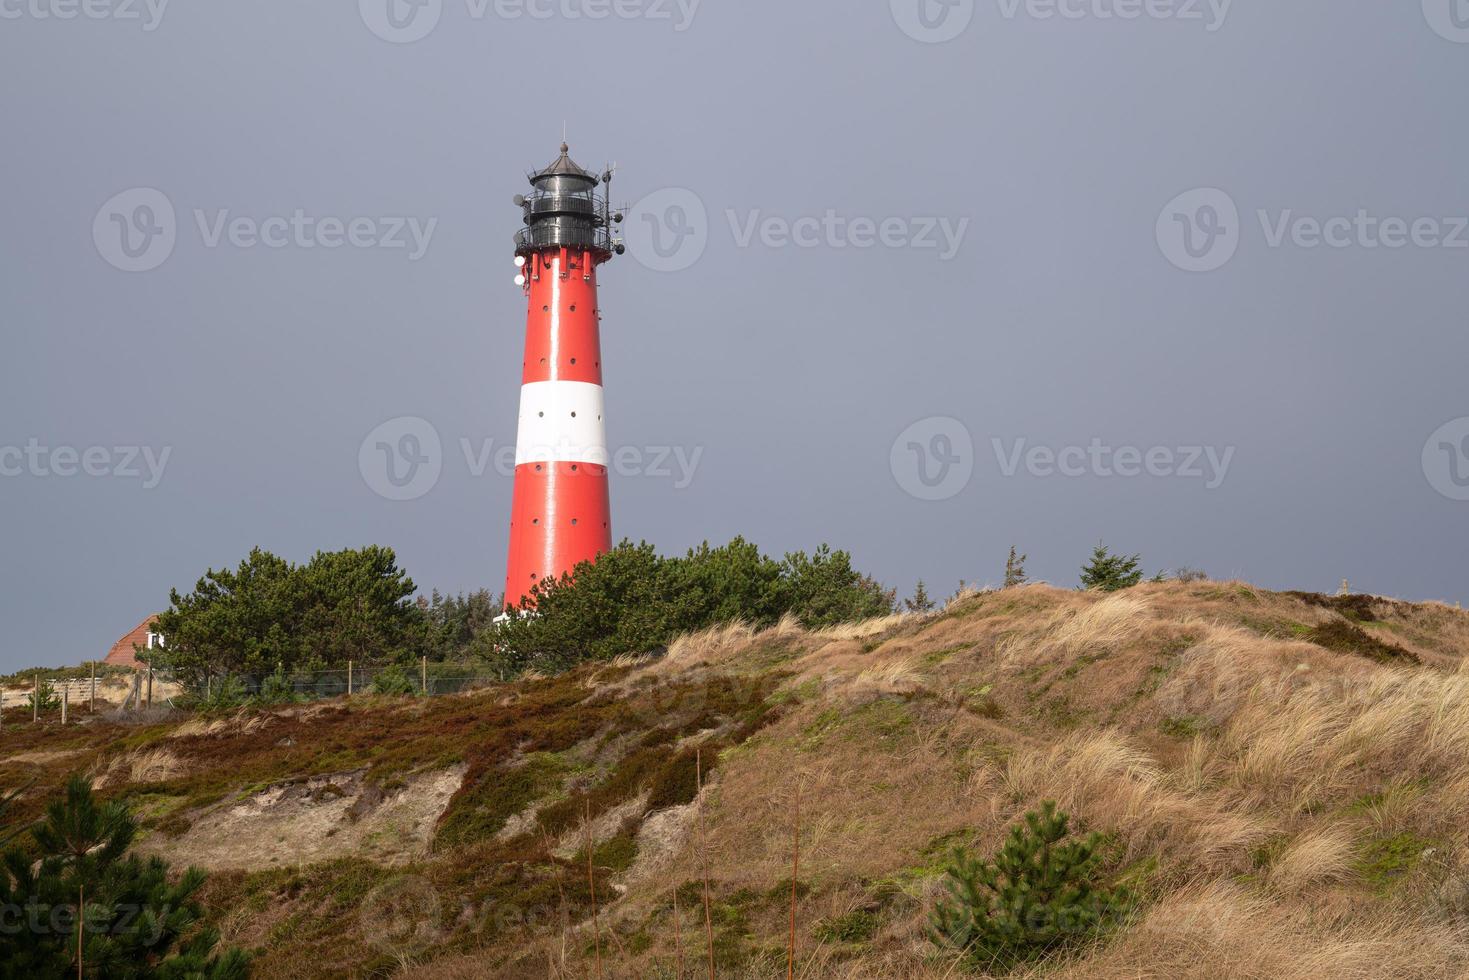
x=342, y=605
x=393, y=680
x=1107, y=572
x=633, y=600
x=46, y=694
x=220, y=694
x=137, y=920
x=1039, y=894
x=278, y=689
x=857, y=926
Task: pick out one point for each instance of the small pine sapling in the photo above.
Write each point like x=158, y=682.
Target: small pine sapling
x=1039, y=894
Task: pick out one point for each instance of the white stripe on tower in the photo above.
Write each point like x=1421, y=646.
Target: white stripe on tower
x=561, y=421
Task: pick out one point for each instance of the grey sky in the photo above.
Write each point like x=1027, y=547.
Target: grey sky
x=1061, y=318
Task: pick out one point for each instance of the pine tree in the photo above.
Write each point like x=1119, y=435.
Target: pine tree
x=1107, y=572
x=50, y=700
x=920, y=603
x=1037, y=895
x=1015, y=569
x=133, y=921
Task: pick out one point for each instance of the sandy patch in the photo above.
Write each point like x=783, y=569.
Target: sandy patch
x=317, y=819
x=42, y=758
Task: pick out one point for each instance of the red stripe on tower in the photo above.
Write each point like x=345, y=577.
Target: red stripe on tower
x=561, y=512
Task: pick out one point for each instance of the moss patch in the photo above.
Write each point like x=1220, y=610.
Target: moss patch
x=1341, y=636
x=1384, y=862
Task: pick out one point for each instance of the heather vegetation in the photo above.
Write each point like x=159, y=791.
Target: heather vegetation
x=1189, y=778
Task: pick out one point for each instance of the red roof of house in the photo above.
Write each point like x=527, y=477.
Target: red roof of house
x=121, y=653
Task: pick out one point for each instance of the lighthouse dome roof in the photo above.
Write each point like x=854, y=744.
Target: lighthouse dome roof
x=563, y=166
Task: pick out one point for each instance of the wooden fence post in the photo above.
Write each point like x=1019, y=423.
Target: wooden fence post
x=425, y=675
x=349, y=678
x=150, y=685
x=65, y=700
x=93, y=706
x=36, y=699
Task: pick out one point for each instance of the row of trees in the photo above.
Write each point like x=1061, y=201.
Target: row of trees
x=269, y=616
x=634, y=600
x=1103, y=572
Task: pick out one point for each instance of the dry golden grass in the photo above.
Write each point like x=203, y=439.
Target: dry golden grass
x=1111, y=785
x=1317, y=857
x=1219, y=930
x=142, y=766
x=1241, y=775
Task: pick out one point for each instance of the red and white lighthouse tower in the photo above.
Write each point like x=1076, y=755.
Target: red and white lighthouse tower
x=560, y=514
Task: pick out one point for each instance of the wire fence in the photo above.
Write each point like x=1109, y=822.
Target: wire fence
x=430, y=679
x=67, y=696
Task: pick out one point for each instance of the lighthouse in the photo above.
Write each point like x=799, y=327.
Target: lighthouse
x=560, y=513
